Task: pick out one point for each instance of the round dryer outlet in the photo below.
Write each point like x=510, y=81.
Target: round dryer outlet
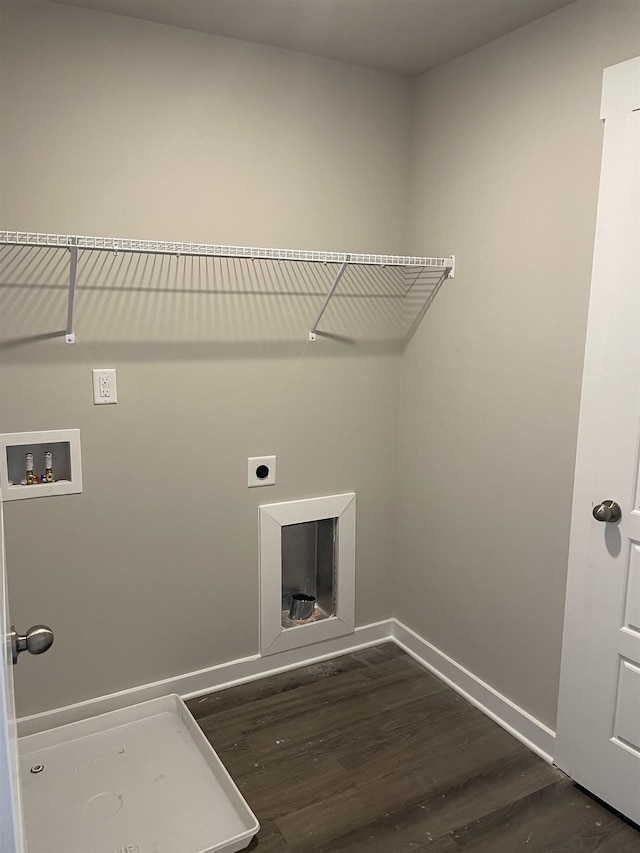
x=262, y=471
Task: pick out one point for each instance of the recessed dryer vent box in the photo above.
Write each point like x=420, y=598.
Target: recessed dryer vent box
x=307, y=558
x=64, y=446
x=139, y=779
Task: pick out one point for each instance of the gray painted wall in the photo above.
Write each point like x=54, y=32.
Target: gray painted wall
x=120, y=127
x=505, y=166
x=124, y=128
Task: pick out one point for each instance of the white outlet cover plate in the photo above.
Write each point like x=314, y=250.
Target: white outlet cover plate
x=256, y=463
x=105, y=391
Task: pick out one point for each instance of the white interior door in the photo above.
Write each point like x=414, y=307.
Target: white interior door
x=11, y=839
x=598, y=731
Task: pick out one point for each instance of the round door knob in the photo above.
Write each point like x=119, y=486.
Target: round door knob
x=607, y=511
x=37, y=640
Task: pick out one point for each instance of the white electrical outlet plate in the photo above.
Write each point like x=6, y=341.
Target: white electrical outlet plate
x=104, y=386
x=262, y=471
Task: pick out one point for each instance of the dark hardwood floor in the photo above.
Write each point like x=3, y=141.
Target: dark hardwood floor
x=371, y=753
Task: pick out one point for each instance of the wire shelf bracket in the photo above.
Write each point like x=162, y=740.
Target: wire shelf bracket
x=332, y=290
x=74, y=243
x=70, y=335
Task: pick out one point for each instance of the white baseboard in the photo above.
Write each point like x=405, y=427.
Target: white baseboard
x=208, y=680
x=503, y=711
x=518, y=722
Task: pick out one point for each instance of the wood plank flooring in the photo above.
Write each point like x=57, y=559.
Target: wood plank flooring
x=370, y=753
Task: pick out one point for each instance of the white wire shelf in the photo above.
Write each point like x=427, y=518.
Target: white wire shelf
x=121, y=244
x=74, y=243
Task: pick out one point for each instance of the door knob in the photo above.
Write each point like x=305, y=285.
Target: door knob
x=36, y=641
x=607, y=511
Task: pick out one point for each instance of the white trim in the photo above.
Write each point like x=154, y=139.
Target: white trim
x=272, y=518
x=621, y=88
x=518, y=722
x=208, y=680
x=522, y=725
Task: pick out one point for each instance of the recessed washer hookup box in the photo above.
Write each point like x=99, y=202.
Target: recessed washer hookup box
x=142, y=779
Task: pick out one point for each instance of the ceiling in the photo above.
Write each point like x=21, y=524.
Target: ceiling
x=406, y=37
